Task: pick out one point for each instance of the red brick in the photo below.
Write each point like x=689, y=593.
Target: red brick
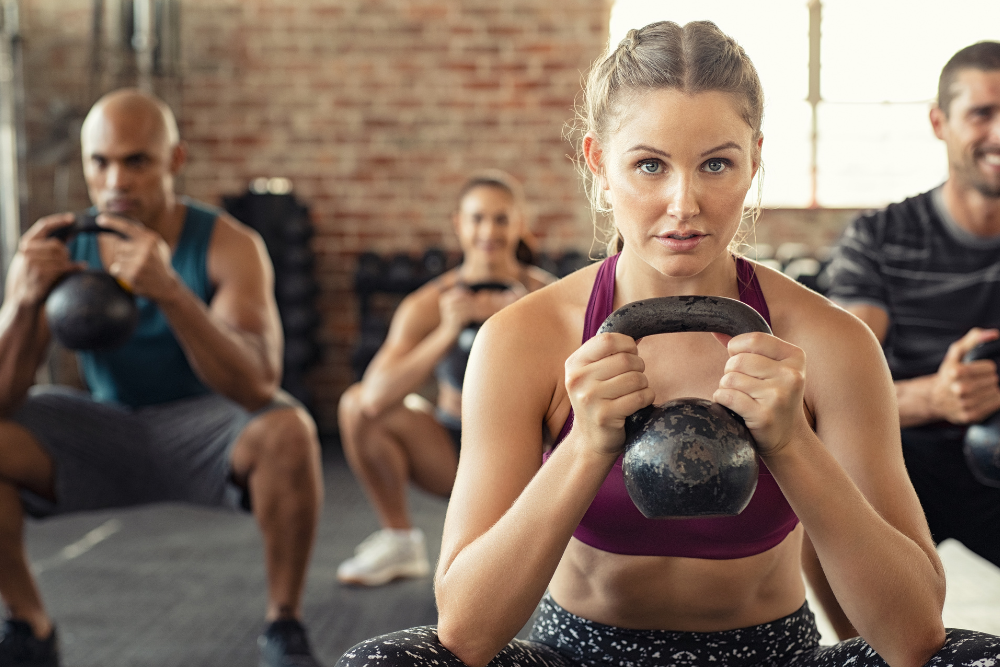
x=376, y=109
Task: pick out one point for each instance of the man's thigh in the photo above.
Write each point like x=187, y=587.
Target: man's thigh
x=108, y=456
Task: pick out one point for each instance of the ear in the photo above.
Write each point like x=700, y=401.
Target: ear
x=756, y=161
x=178, y=157
x=456, y=219
x=593, y=154
x=938, y=121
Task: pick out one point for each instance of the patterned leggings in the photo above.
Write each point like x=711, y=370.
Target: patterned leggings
x=560, y=639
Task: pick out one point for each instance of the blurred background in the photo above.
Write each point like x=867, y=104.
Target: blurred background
x=357, y=120
x=342, y=130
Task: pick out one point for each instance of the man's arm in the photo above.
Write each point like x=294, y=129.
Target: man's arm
x=959, y=393
x=24, y=335
x=233, y=345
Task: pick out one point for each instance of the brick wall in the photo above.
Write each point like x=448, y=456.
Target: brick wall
x=376, y=110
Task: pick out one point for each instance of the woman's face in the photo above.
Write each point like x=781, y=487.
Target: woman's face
x=676, y=171
x=488, y=223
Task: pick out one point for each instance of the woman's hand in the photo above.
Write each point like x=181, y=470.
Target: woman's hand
x=458, y=309
x=764, y=382
x=606, y=384
x=489, y=302
x=461, y=306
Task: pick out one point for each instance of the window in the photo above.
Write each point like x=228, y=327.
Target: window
x=878, y=68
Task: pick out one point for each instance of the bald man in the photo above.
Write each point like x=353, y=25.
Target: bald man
x=188, y=409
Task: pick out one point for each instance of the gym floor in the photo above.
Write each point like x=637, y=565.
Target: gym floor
x=176, y=585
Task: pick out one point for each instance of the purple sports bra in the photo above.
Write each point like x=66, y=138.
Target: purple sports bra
x=612, y=523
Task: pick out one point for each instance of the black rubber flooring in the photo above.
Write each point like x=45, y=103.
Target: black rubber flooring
x=177, y=585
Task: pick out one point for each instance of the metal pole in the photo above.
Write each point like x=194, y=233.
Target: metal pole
x=144, y=41
x=13, y=181
x=815, y=19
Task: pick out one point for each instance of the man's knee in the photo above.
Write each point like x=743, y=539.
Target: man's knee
x=285, y=438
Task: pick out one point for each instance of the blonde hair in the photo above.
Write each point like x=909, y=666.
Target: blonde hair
x=695, y=58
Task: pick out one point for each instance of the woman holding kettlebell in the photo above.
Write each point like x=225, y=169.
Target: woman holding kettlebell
x=392, y=436
x=671, y=143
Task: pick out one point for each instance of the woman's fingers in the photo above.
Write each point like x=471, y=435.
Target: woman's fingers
x=764, y=382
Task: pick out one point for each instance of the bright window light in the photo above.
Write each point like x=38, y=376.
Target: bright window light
x=880, y=61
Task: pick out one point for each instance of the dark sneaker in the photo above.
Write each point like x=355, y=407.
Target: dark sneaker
x=20, y=648
x=284, y=644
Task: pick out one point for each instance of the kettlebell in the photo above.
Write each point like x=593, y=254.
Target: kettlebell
x=687, y=457
x=981, y=445
x=89, y=309
x=458, y=357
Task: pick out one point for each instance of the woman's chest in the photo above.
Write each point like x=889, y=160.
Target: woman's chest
x=683, y=364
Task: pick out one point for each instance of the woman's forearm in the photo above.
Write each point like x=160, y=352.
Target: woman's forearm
x=386, y=384
x=489, y=590
x=891, y=589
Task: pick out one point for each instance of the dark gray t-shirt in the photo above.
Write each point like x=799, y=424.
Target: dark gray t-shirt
x=934, y=279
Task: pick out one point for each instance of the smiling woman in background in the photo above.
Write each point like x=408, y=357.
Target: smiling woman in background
x=392, y=436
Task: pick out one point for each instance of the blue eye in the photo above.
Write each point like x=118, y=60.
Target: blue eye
x=650, y=167
x=715, y=166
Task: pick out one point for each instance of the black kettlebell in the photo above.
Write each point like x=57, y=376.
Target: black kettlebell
x=89, y=309
x=688, y=457
x=981, y=445
x=458, y=357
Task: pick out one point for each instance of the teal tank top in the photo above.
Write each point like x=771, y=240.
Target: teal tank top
x=151, y=367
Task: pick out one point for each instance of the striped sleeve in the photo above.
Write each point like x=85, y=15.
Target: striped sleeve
x=855, y=271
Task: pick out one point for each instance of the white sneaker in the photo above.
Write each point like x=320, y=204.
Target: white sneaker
x=385, y=555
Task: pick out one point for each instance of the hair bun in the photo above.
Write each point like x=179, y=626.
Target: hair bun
x=631, y=40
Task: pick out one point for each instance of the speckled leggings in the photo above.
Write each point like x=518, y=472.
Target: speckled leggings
x=560, y=639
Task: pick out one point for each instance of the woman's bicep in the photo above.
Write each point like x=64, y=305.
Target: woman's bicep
x=858, y=421
x=504, y=399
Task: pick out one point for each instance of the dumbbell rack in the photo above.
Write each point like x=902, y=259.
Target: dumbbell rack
x=380, y=283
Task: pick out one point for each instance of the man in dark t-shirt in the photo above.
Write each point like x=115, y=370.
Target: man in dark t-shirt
x=924, y=275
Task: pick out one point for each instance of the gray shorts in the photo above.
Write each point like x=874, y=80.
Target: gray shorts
x=108, y=455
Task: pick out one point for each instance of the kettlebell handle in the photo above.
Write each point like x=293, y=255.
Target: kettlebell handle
x=674, y=314
x=489, y=286
x=85, y=223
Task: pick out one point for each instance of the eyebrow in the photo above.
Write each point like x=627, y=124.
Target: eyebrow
x=131, y=156
x=988, y=108
x=725, y=146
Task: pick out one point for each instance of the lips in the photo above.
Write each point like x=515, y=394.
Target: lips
x=119, y=205
x=680, y=241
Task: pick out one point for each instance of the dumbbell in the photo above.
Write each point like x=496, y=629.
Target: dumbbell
x=688, y=457
x=89, y=309
x=981, y=445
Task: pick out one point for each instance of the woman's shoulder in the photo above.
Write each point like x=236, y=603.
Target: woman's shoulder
x=536, y=278
x=811, y=321
x=551, y=316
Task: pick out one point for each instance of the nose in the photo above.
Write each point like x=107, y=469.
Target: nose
x=994, y=129
x=491, y=228
x=116, y=177
x=683, y=199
